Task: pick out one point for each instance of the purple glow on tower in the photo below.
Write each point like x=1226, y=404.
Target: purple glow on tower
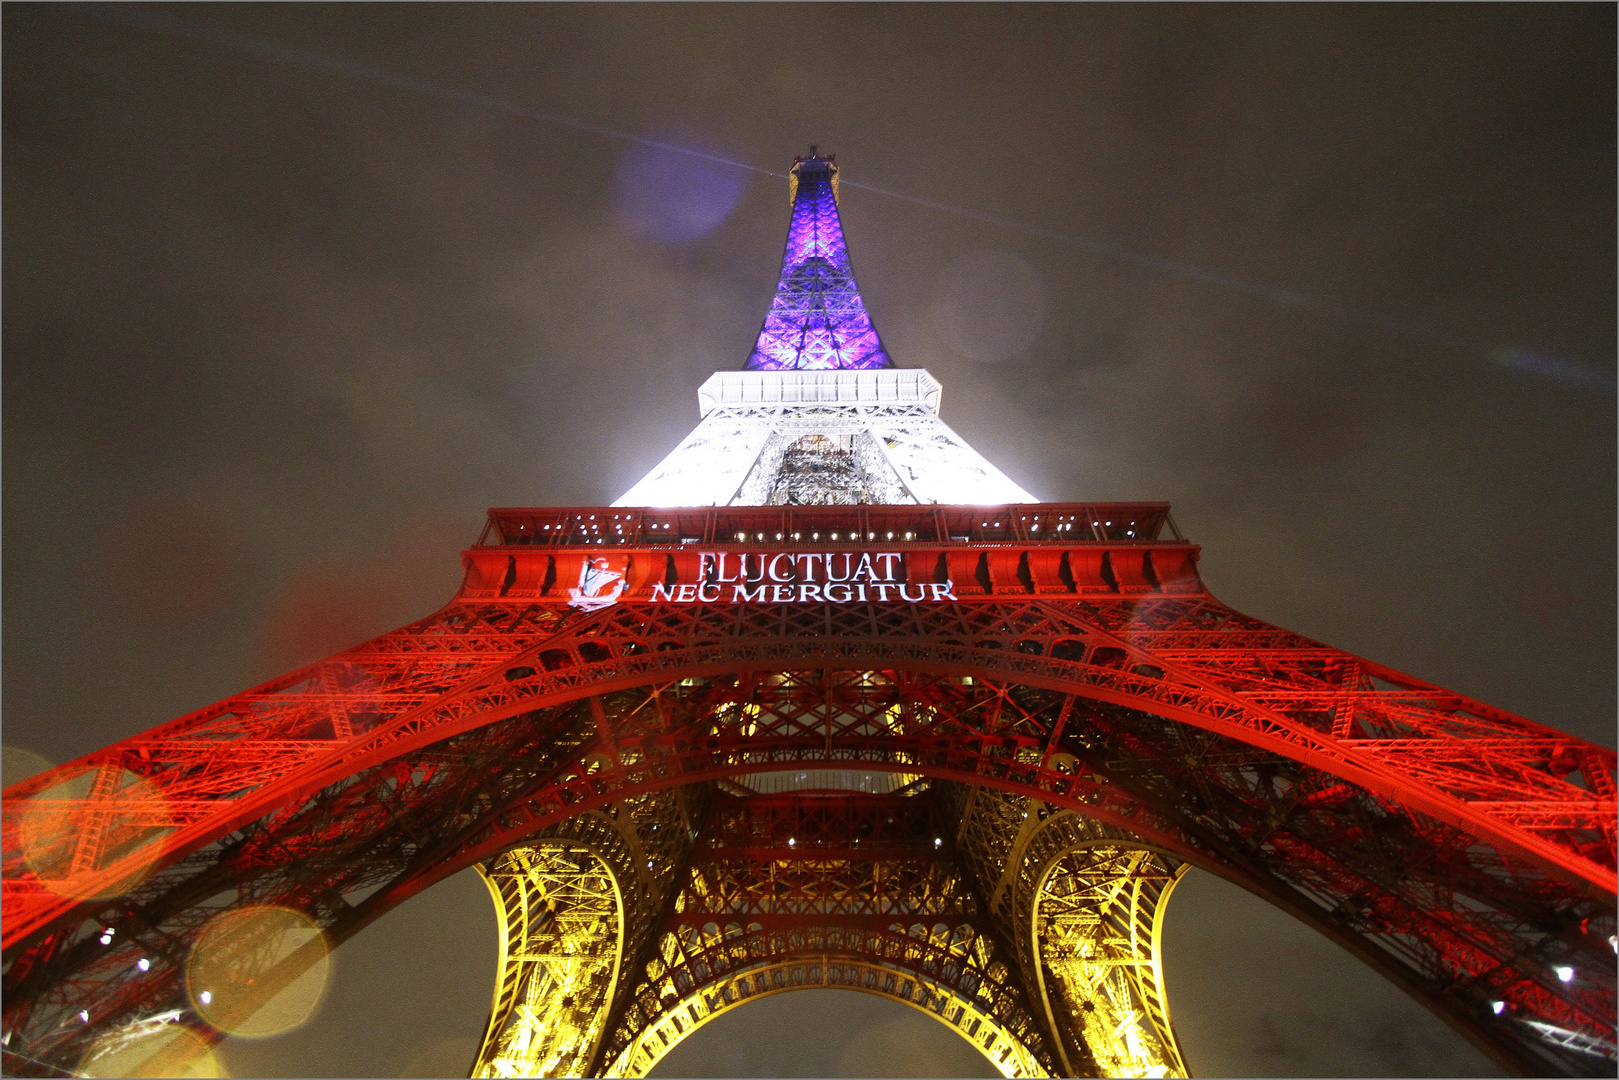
x=817, y=320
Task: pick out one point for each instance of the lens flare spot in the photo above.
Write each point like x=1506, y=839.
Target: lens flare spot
x=17, y=764
x=990, y=306
x=83, y=836
x=258, y=971
x=166, y=1050
x=673, y=197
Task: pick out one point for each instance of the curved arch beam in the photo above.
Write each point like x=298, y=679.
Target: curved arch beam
x=562, y=919
x=829, y=971
x=1083, y=903
x=1011, y=733
x=63, y=845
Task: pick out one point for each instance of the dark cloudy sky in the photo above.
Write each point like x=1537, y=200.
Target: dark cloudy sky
x=276, y=333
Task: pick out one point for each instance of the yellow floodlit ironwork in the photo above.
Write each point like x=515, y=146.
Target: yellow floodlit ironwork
x=561, y=928
x=833, y=972
x=1033, y=934
x=1097, y=930
x=1084, y=902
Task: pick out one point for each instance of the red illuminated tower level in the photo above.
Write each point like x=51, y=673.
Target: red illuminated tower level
x=827, y=700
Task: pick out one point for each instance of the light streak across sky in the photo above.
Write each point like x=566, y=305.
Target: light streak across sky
x=1532, y=362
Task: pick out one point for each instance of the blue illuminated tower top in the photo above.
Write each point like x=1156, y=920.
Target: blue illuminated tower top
x=817, y=321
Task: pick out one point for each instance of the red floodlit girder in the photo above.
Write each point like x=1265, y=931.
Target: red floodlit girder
x=247, y=777
x=244, y=766
x=960, y=686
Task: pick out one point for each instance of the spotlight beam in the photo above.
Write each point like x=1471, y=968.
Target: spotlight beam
x=1570, y=372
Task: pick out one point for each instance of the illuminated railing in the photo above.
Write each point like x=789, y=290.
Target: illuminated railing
x=1029, y=523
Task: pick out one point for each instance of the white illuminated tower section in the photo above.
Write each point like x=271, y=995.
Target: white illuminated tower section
x=820, y=415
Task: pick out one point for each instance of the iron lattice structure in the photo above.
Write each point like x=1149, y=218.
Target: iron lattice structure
x=1032, y=729
x=953, y=755
x=817, y=320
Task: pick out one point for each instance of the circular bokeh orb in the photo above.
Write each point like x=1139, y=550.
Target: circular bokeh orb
x=236, y=978
x=672, y=197
x=52, y=824
x=170, y=1050
x=18, y=764
x=990, y=306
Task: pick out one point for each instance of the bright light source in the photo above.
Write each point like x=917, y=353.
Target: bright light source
x=937, y=841
x=1565, y=973
x=84, y=1016
x=106, y=939
x=1498, y=1007
x=144, y=964
x=792, y=841
x=206, y=998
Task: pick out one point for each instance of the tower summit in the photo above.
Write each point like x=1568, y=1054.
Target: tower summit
x=817, y=321
x=820, y=415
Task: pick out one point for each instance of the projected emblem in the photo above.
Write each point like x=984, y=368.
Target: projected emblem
x=599, y=585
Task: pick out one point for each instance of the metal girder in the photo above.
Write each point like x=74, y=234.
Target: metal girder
x=1083, y=902
x=1465, y=852
x=787, y=892
x=561, y=931
x=575, y=903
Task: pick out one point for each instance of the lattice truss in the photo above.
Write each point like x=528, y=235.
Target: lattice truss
x=871, y=451
x=572, y=904
x=562, y=922
x=1087, y=900
x=1466, y=853
x=788, y=892
x=817, y=320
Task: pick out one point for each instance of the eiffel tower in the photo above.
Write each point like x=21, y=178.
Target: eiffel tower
x=825, y=700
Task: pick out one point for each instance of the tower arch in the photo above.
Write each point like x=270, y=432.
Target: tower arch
x=565, y=762
x=999, y=1047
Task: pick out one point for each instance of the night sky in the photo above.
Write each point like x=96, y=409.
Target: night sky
x=293, y=293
